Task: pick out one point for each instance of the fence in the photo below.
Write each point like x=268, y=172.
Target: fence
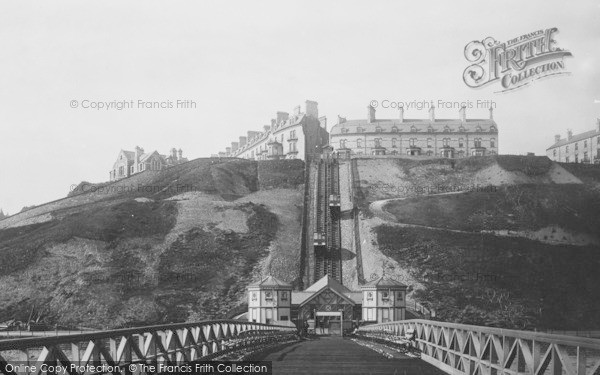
x=466, y=349
x=167, y=344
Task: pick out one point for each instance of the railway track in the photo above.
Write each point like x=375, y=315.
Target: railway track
x=327, y=229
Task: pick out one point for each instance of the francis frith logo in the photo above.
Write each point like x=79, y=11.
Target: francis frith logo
x=515, y=63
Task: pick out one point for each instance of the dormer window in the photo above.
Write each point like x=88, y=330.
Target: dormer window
x=461, y=129
x=478, y=129
x=413, y=129
x=378, y=129
x=344, y=130
x=360, y=130
x=447, y=129
x=492, y=128
x=430, y=129
x=394, y=129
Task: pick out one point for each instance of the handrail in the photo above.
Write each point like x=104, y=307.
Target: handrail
x=464, y=349
x=172, y=343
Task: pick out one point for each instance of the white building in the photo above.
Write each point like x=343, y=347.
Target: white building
x=269, y=301
x=578, y=148
x=287, y=137
x=384, y=300
x=431, y=137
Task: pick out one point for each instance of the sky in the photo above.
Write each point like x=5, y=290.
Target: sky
x=241, y=62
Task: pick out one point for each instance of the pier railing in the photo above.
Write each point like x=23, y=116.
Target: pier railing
x=166, y=344
x=467, y=349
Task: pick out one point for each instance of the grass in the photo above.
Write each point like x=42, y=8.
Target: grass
x=515, y=207
x=495, y=281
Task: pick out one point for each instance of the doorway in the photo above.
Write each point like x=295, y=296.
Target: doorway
x=328, y=323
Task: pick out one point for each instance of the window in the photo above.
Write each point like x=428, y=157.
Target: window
x=576, y=146
x=284, y=318
x=412, y=142
x=429, y=140
x=493, y=142
x=492, y=128
x=478, y=129
x=393, y=142
x=446, y=142
x=369, y=296
x=400, y=296
x=477, y=142
x=131, y=169
x=268, y=295
x=385, y=295
x=394, y=129
x=122, y=171
x=360, y=130
x=344, y=130
x=378, y=129
x=284, y=296
x=585, y=144
x=567, y=159
x=461, y=142
x=413, y=129
x=342, y=143
x=429, y=153
x=254, y=296
x=385, y=315
x=585, y=156
x=430, y=129
x=567, y=148
x=377, y=142
x=554, y=153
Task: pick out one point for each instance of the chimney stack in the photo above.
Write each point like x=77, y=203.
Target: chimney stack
x=598, y=124
x=569, y=134
x=491, y=113
x=432, y=114
x=234, y=146
x=273, y=124
x=228, y=150
x=243, y=141
x=297, y=110
x=267, y=128
x=174, y=153
x=401, y=115
x=251, y=134
x=180, y=153
x=370, y=113
x=282, y=116
x=312, y=109
x=462, y=113
x=323, y=122
x=557, y=138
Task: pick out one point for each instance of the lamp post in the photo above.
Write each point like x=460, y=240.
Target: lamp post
x=342, y=322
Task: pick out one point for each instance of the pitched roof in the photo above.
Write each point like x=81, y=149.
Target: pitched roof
x=423, y=125
x=271, y=282
x=130, y=155
x=330, y=282
x=384, y=282
x=575, y=138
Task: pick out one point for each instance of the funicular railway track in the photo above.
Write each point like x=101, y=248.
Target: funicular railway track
x=327, y=229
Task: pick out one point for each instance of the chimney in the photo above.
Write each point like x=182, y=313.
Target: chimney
x=341, y=119
x=598, y=124
x=432, y=114
x=273, y=123
x=401, y=115
x=323, y=122
x=557, y=138
x=569, y=134
x=462, y=113
x=297, y=110
x=491, y=113
x=370, y=113
x=243, y=141
x=251, y=134
x=136, y=159
x=174, y=153
x=282, y=116
x=267, y=128
x=228, y=150
x=180, y=153
x=234, y=146
x=312, y=109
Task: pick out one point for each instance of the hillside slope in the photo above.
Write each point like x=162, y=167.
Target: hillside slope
x=506, y=241
x=169, y=246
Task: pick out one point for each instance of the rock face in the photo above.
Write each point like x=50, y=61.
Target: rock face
x=175, y=245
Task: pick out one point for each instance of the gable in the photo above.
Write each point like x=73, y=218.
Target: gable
x=328, y=296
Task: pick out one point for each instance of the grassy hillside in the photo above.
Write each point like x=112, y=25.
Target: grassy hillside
x=169, y=246
x=497, y=281
x=513, y=244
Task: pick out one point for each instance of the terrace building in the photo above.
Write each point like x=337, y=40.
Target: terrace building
x=450, y=138
x=297, y=136
x=579, y=148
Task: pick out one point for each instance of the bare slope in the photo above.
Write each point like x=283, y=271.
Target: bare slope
x=508, y=241
x=176, y=245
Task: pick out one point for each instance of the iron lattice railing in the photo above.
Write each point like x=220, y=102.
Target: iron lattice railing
x=467, y=349
x=166, y=344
